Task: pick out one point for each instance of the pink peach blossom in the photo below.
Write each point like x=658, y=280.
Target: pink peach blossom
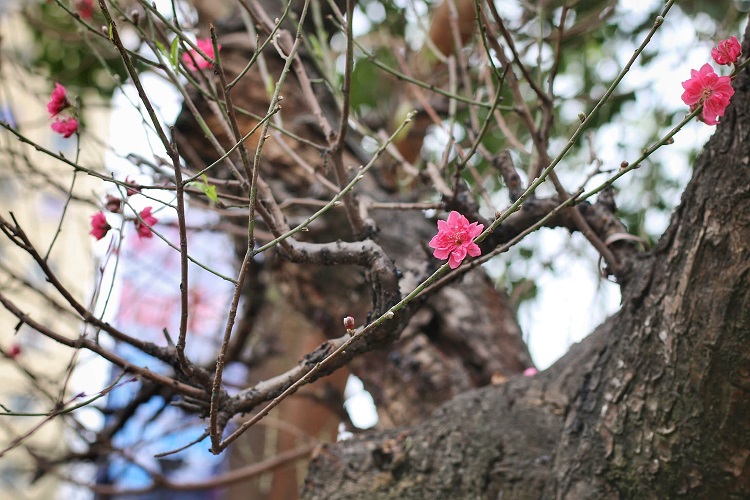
x=58, y=100
x=707, y=88
x=132, y=190
x=85, y=8
x=144, y=228
x=65, y=127
x=727, y=52
x=99, y=225
x=530, y=372
x=207, y=47
x=454, y=239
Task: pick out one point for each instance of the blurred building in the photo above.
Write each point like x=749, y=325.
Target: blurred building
x=51, y=205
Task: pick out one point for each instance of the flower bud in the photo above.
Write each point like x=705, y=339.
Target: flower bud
x=132, y=190
x=349, y=323
x=14, y=351
x=113, y=204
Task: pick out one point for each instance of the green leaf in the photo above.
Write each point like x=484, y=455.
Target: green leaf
x=210, y=192
x=174, y=51
x=208, y=189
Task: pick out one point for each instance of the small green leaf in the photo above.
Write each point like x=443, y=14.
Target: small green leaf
x=174, y=51
x=210, y=192
x=208, y=189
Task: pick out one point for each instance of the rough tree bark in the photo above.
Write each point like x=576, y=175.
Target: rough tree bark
x=653, y=404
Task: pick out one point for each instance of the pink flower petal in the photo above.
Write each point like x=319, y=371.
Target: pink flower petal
x=441, y=253
x=192, y=58
x=99, y=225
x=57, y=100
x=473, y=250
x=144, y=228
x=65, y=127
x=456, y=219
x=475, y=229
x=453, y=262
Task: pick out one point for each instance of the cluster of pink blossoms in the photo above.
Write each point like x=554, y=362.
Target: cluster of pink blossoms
x=708, y=89
x=193, y=60
x=143, y=223
x=58, y=102
x=455, y=239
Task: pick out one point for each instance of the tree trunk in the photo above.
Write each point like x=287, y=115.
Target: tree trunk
x=653, y=404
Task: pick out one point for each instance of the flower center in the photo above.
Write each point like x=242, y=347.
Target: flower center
x=458, y=236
